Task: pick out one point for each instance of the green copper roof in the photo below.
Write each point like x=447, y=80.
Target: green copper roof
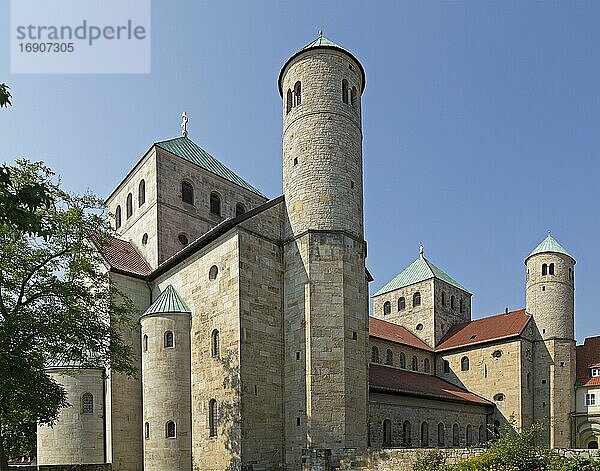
x=168, y=301
x=419, y=270
x=549, y=244
x=187, y=149
x=321, y=41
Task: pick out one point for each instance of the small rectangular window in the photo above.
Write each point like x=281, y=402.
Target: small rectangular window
x=295, y=160
x=354, y=335
x=590, y=399
x=298, y=421
x=543, y=381
x=297, y=356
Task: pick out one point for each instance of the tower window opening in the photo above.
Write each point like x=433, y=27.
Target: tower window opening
x=464, y=364
x=145, y=346
x=446, y=367
x=118, y=217
x=415, y=364
x=145, y=239
x=354, y=335
x=387, y=432
x=297, y=356
x=424, y=434
x=213, y=272
x=443, y=298
x=183, y=239
x=452, y=302
x=298, y=421
x=295, y=161
x=570, y=274
x=215, y=204
x=461, y=306
x=528, y=382
x=87, y=403
x=543, y=288
x=551, y=269
x=129, y=206
x=387, y=308
x=146, y=430
x=170, y=429
x=345, y=91
x=401, y=304
x=389, y=357
x=441, y=434
x=544, y=269
x=289, y=102
x=187, y=193
x=212, y=418
x=353, y=96
x=297, y=94
x=214, y=344
x=169, y=339
x=375, y=354
x=141, y=193
x=416, y=299
x=406, y=435
x=239, y=209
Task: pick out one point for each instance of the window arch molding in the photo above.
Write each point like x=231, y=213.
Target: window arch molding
x=170, y=429
x=87, y=403
x=464, y=363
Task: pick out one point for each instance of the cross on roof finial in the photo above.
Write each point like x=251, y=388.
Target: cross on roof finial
x=421, y=249
x=320, y=33
x=184, y=121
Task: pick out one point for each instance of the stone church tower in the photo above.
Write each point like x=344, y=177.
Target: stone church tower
x=325, y=286
x=549, y=299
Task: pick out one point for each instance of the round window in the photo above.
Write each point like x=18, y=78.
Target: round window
x=183, y=239
x=419, y=327
x=144, y=239
x=499, y=397
x=497, y=353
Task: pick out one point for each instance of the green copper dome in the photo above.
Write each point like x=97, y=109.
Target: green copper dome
x=549, y=245
x=168, y=301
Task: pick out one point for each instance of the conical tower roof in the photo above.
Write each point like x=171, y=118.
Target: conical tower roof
x=168, y=301
x=549, y=245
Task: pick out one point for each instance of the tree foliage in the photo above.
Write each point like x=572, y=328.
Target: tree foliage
x=57, y=303
x=5, y=95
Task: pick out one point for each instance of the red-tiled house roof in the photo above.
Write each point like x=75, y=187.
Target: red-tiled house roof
x=387, y=379
x=395, y=333
x=588, y=355
x=121, y=256
x=501, y=326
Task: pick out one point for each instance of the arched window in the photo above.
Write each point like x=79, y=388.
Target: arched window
x=145, y=342
x=593, y=445
x=374, y=354
x=187, y=193
x=141, y=193
x=426, y=365
x=345, y=91
x=570, y=273
x=401, y=304
x=170, y=429
x=551, y=269
x=443, y=298
x=415, y=364
x=441, y=434
x=424, y=434
x=297, y=94
x=496, y=429
x=146, y=430
x=387, y=308
x=468, y=435
x=387, y=432
x=528, y=382
x=239, y=209
x=118, y=217
x=482, y=439
x=389, y=357
x=212, y=418
x=353, y=96
x=169, y=339
x=455, y=435
x=87, y=403
x=416, y=299
x=544, y=269
x=213, y=272
x=402, y=359
x=451, y=302
x=214, y=344
x=446, y=366
x=289, y=103
x=215, y=204
x=461, y=306
x=129, y=205
x=464, y=364
x=406, y=435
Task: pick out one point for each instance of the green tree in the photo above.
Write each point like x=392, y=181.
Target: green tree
x=56, y=298
x=5, y=95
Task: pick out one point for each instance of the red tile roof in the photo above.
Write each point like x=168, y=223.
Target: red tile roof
x=588, y=355
x=394, y=380
x=395, y=333
x=497, y=327
x=120, y=255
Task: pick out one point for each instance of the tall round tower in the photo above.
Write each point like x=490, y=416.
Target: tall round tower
x=325, y=284
x=550, y=289
x=166, y=383
x=321, y=86
x=549, y=299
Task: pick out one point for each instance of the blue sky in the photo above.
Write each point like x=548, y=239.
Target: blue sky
x=480, y=123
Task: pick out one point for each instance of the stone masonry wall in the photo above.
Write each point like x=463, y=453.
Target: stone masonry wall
x=397, y=351
x=398, y=459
